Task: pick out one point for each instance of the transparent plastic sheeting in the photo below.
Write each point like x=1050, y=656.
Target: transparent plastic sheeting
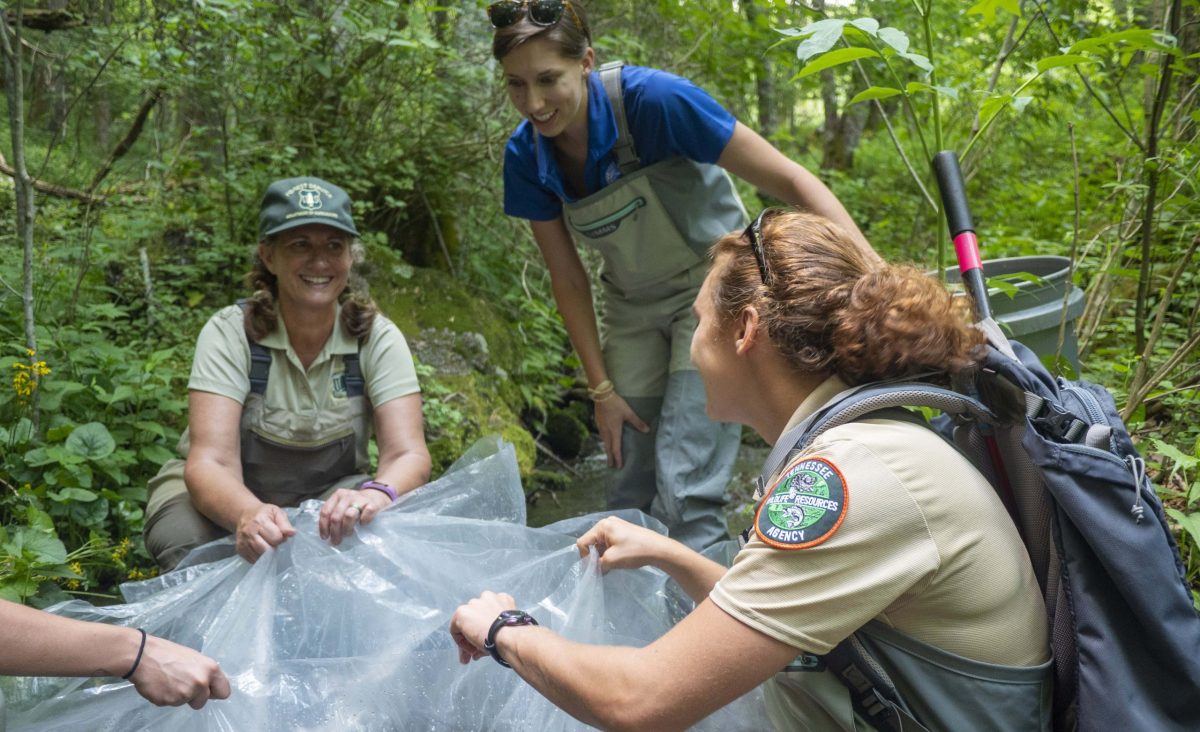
x=354, y=637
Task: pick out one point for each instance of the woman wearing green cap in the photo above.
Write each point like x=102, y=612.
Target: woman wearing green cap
x=286, y=390
x=633, y=161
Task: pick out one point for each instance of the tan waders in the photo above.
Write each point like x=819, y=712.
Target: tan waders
x=653, y=227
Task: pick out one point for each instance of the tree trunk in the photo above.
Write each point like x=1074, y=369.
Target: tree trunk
x=764, y=82
x=10, y=46
x=56, y=76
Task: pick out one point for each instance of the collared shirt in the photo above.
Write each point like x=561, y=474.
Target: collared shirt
x=222, y=365
x=668, y=116
x=923, y=545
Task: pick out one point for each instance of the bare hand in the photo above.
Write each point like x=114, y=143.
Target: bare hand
x=347, y=507
x=172, y=675
x=623, y=545
x=261, y=528
x=611, y=416
x=471, y=622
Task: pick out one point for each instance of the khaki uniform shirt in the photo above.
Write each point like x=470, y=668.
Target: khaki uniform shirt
x=304, y=404
x=918, y=541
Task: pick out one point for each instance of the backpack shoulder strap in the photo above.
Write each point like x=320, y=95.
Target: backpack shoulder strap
x=858, y=402
x=627, y=157
x=260, y=359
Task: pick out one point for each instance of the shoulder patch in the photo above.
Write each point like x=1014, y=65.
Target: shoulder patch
x=804, y=507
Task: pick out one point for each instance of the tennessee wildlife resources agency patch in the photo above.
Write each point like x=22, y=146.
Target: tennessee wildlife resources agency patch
x=804, y=507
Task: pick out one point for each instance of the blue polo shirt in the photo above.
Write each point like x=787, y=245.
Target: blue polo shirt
x=668, y=117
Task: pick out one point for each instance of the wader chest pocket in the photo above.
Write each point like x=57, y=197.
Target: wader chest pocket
x=275, y=466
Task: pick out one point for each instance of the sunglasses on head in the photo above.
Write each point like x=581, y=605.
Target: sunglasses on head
x=753, y=234
x=540, y=12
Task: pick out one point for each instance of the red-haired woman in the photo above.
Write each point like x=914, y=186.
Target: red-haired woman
x=879, y=530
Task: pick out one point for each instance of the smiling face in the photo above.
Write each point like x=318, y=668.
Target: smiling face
x=548, y=88
x=311, y=263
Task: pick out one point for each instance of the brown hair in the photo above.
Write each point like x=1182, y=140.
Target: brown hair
x=358, y=309
x=570, y=34
x=831, y=309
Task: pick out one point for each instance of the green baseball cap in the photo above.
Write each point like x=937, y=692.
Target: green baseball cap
x=293, y=202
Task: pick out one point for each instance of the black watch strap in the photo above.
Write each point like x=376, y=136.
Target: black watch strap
x=506, y=619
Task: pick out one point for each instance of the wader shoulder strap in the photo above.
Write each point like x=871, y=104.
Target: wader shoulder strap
x=260, y=365
x=871, y=691
x=355, y=383
x=260, y=359
x=627, y=157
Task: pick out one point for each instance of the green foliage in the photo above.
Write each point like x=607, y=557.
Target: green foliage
x=1180, y=491
x=400, y=103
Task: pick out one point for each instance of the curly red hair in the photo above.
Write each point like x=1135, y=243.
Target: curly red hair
x=831, y=309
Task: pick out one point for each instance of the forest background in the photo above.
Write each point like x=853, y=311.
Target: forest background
x=140, y=134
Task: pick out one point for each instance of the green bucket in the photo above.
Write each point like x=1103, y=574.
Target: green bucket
x=1033, y=315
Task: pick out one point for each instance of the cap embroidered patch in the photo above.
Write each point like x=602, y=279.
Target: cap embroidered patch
x=804, y=507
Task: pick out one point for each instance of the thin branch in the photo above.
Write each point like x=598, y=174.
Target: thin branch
x=83, y=92
x=437, y=228
x=51, y=188
x=135, y=131
x=550, y=454
x=1062, y=325
x=1139, y=377
x=1161, y=373
x=887, y=122
x=1152, y=176
x=1087, y=85
x=9, y=287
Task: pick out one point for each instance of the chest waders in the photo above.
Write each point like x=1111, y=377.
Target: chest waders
x=653, y=227
x=288, y=456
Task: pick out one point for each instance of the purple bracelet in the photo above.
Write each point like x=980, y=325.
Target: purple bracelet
x=382, y=487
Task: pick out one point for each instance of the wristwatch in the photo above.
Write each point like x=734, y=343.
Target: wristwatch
x=377, y=486
x=506, y=619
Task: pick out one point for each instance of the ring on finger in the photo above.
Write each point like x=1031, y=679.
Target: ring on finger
x=357, y=507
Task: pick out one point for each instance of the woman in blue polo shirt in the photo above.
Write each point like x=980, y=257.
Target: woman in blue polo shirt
x=632, y=161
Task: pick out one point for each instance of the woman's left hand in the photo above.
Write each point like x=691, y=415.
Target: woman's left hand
x=471, y=622
x=348, y=507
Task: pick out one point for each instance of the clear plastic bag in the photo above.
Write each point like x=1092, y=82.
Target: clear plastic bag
x=355, y=637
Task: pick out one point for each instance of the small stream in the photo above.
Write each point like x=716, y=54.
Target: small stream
x=586, y=493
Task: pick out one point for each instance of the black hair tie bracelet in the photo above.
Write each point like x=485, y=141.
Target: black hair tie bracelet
x=138, y=659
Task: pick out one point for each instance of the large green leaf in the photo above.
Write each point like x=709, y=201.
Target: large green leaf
x=874, y=92
x=92, y=441
x=992, y=106
x=866, y=25
x=1055, y=62
x=916, y=59
x=835, y=58
x=42, y=547
x=156, y=454
x=1136, y=38
x=821, y=36
x=1189, y=521
x=1185, y=461
x=53, y=392
x=988, y=8
x=68, y=495
x=895, y=39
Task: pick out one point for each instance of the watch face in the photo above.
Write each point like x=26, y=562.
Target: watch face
x=512, y=616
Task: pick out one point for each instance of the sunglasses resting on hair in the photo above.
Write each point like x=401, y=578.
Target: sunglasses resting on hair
x=541, y=12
